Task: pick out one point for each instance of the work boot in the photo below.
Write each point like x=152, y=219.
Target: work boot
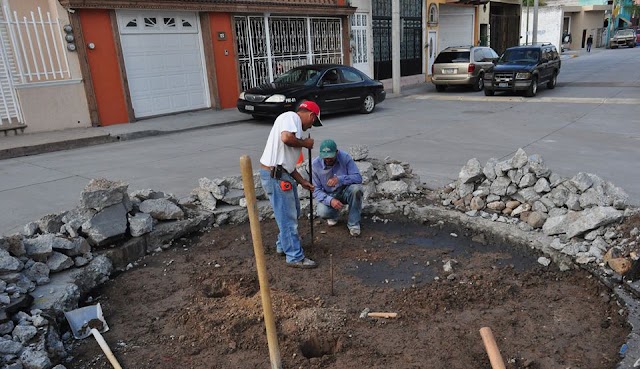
x=332, y=222
x=305, y=263
x=355, y=231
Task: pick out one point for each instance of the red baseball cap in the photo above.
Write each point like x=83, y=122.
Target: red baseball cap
x=314, y=108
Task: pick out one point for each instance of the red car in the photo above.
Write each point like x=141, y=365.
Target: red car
x=638, y=36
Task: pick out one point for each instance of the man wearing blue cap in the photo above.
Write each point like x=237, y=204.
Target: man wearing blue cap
x=337, y=182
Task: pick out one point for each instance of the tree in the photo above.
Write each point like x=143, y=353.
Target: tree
x=530, y=3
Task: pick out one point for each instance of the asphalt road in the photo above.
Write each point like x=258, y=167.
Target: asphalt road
x=590, y=123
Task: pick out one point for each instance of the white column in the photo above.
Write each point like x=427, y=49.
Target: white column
x=267, y=33
x=309, y=42
x=534, y=37
x=395, y=45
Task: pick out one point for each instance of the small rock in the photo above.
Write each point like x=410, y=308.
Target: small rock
x=544, y=261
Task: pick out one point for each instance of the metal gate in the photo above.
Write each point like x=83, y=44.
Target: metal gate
x=410, y=38
x=269, y=46
x=9, y=107
x=359, y=44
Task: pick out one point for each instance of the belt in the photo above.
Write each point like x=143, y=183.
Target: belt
x=265, y=167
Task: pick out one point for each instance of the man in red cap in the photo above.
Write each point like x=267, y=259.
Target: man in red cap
x=280, y=178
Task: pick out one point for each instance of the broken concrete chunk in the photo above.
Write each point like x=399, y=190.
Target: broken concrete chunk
x=544, y=261
x=358, y=152
x=519, y=159
x=542, y=186
x=395, y=171
x=471, y=172
x=593, y=218
x=582, y=181
x=102, y=193
x=140, y=224
x=216, y=190
x=108, y=223
x=489, y=169
x=499, y=186
x=537, y=166
x=58, y=262
x=161, y=209
x=393, y=187
x=9, y=264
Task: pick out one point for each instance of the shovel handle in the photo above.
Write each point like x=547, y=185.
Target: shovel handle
x=492, y=348
x=105, y=348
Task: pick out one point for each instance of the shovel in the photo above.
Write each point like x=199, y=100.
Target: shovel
x=88, y=321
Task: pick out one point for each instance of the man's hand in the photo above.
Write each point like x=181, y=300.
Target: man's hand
x=336, y=204
x=307, y=185
x=307, y=142
x=333, y=181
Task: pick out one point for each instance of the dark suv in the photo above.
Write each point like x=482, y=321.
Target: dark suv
x=523, y=68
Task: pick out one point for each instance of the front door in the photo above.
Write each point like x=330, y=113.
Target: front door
x=431, y=49
x=359, y=45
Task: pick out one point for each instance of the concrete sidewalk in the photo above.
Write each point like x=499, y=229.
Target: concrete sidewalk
x=42, y=142
x=574, y=53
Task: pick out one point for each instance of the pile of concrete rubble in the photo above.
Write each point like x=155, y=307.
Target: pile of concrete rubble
x=52, y=265
x=581, y=213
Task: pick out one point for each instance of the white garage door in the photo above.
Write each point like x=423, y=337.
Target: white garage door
x=164, y=61
x=455, y=26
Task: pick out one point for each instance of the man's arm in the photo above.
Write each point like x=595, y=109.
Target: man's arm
x=318, y=192
x=306, y=184
x=290, y=139
x=353, y=174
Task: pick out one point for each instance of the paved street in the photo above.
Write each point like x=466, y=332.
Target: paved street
x=590, y=122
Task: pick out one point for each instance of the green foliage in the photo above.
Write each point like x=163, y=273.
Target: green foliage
x=530, y=3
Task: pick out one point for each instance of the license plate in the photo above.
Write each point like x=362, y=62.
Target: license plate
x=249, y=107
x=503, y=85
x=449, y=71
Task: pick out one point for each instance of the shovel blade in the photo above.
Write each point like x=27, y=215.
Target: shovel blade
x=82, y=320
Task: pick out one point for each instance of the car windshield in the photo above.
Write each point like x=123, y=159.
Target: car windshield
x=299, y=76
x=624, y=33
x=520, y=56
x=453, y=57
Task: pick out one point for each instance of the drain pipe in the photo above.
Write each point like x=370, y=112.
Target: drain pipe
x=258, y=250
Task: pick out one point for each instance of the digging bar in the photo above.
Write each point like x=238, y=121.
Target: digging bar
x=88, y=321
x=258, y=250
x=310, y=195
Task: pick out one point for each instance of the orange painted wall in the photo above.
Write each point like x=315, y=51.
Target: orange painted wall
x=103, y=63
x=226, y=65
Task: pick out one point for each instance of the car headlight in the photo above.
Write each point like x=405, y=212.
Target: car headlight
x=241, y=97
x=523, y=75
x=488, y=76
x=275, y=99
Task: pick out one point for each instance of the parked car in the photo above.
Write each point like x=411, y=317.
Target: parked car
x=462, y=65
x=335, y=88
x=638, y=36
x=523, y=68
x=623, y=37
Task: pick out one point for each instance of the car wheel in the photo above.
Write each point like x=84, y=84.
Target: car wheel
x=533, y=88
x=552, y=82
x=441, y=88
x=479, y=85
x=488, y=92
x=368, y=104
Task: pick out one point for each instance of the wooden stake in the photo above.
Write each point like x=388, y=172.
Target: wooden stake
x=258, y=249
x=492, y=348
x=331, y=268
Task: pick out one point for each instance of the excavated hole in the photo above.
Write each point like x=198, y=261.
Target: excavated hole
x=318, y=347
x=224, y=286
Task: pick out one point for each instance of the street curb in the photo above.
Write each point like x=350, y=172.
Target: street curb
x=16, y=152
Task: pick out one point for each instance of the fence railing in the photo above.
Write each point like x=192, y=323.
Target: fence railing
x=38, y=46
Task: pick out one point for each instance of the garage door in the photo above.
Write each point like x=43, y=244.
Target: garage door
x=164, y=61
x=455, y=26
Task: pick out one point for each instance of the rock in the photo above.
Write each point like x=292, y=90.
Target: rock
x=75, y=218
x=207, y=200
x=465, y=189
x=515, y=175
x=593, y=218
x=591, y=197
x=217, y=191
x=366, y=171
x=519, y=159
x=162, y=209
x=233, y=196
x=51, y=223
x=102, y=193
x=539, y=207
x=393, y=187
x=556, y=212
x=558, y=224
x=520, y=209
x=395, y=171
x=524, y=215
x=528, y=194
x=188, y=201
x=35, y=359
x=555, y=180
x=512, y=204
x=573, y=202
x=617, y=196
x=544, y=261
x=619, y=265
x=511, y=189
x=140, y=224
x=76, y=246
x=635, y=232
x=472, y=213
x=527, y=180
x=58, y=262
x=523, y=226
x=499, y=186
x=9, y=264
x=556, y=244
x=108, y=223
x=571, y=249
x=477, y=203
x=559, y=196
x=542, y=186
x=358, y=152
x=5, y=328
x=492, y=198
x=41, y=247
x=585, y=259
x=489, y=169
x=536, y=219
x=507, y=211
x=537, y=166
x=447, y=267
x=471, y=172
x=30, y=229
x=9, y=347
x=24, y=333
x=582, y=181
x=496, y=205
x=38, y=272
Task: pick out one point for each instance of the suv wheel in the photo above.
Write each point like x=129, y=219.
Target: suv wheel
x=488, y=92
x=479, y=85
x=533, y=88
x=552, y=82
x=441, y=88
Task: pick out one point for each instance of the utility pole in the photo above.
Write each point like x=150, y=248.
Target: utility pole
x=527, y=34
x=534, y=37
x=395, y=45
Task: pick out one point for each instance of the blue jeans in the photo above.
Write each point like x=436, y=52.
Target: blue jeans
x=350, y=195
x=286, y=209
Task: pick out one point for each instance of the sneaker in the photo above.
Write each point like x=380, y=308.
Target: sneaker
x=332, y=222
x=355, y=232
x=305, y=263
x=280, y=252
